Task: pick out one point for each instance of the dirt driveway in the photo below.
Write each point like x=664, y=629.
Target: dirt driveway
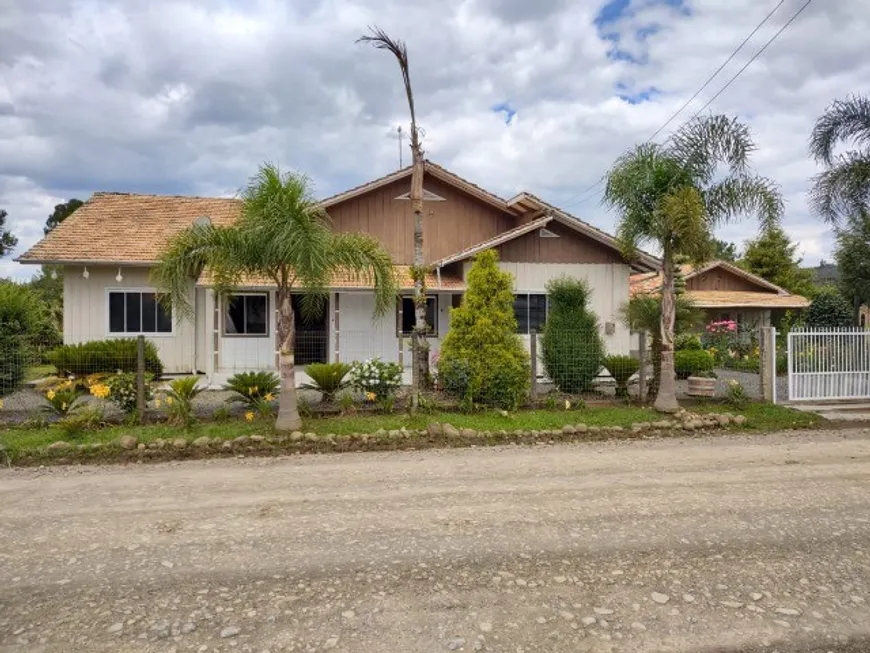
x=760, y=543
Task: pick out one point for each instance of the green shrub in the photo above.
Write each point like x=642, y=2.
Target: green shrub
x=179, y=400
x=692, y=361
x=377, y=378
x=482, y=360
x=18, y=319
x=572, y=348
x=736, y=397
x=64, y=399
x=621, y=368
x=829, y=310
x=82, y=421
x=122, y=390
x=327, y=378
x=250, y=387
x=687, y=342
x=112, y=355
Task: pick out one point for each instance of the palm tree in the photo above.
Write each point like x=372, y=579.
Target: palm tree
x=643, y=312
x=672, y=195
x=282, y=235
x=842, y=191
x=419, y=346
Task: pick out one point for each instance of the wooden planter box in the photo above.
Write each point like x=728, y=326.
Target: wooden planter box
x=700, y=386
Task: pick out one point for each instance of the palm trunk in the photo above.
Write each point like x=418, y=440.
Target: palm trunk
x=656, y=352
x=288, y=412
x=666, y=400
x=419, y=345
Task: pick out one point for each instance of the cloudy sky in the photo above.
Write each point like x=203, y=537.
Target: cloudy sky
x=188, y=97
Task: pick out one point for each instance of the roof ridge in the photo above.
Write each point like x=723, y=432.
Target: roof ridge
x=102, y=193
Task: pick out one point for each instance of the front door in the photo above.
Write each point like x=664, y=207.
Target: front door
x=312, y=333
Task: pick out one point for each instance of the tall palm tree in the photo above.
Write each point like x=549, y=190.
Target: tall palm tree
x=673, y=194
x=842, y=191
x=419, y=346
x=643, y=312
x=283, y=235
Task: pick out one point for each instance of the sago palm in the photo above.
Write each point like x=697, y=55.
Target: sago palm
x=282, y=235
x=672, y=195
x=842, y=191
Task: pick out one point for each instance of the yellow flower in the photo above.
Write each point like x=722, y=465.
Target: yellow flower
x=269, y=396
x=168, y=401
x=567, y=404
x=249, y=416
x=63, y=406
x=50, y=394
x=100, y=390
x=157, y=403
x=371, y=396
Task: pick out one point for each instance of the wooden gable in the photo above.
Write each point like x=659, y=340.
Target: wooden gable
x=456, y=221
x=558, y=244
x=718, y=278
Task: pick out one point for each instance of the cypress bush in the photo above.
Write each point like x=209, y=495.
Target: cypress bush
x=572, y=348
x=829, y=309
x=97, y=356
x=482, y=358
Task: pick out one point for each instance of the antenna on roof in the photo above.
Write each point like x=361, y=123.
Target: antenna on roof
x=399, y=133
x=202, y=221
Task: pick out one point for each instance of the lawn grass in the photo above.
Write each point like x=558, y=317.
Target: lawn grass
x=38, y=372
x=759, y=417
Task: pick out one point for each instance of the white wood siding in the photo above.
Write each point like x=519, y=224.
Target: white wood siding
x=608, y=283
x=86, y=313
x=247, y=353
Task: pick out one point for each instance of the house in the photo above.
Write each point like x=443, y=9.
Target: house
x=107, y=247
x=726, y=292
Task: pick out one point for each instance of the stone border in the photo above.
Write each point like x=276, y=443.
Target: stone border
x=127, y=448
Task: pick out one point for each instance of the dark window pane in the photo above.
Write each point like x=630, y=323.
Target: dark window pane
x=408, y=317
x=164, y=318
x=432, y=314
x=521, y=312
x=116, y=312
x=234, y=319
x=256, y=314
x=149, y=313
x=537, y=312
x=134, y=312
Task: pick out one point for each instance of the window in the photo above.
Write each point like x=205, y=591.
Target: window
x=247, y=315
x=405, y=315
x=138, y=312
x=531, y=312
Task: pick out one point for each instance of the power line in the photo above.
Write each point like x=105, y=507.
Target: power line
x=581, y=199
x=717, y=71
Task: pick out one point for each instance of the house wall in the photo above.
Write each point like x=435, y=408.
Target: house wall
x=721, y=279
x=450, y=226
x=86, y=314
x=608, y=283
x=246, y=353
x=570, y=247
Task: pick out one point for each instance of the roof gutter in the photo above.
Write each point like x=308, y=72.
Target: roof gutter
x=126, y=264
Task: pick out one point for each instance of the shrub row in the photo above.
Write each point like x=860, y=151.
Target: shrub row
x=104, y=356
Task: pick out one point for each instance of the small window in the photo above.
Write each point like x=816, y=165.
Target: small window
x=138, y=312
x=530, y=311
x=247, y=315
x=405, y=315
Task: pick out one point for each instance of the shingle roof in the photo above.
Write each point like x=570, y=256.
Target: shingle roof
x=652, y=281
x=350, y=281
x=744, y=299
x=127, y=228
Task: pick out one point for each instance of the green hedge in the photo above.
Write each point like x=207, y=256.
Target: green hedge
x=103, y=356
x=692, y=361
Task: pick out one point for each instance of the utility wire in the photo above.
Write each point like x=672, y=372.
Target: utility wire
x=583, y=197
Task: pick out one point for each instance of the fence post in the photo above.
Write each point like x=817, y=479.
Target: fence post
x=641, y=371
x=140, y=379
x=767, y=364
x=533, y=355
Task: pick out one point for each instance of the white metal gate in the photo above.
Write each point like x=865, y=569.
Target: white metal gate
x=828, y=364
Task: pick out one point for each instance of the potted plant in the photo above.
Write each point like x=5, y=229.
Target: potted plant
x=702, y=384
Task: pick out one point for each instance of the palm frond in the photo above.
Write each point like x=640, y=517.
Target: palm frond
x=379, y=39
x=362, y=256
x=843, y=191
x=705, y=142
x=844, y=120
x=741, y=194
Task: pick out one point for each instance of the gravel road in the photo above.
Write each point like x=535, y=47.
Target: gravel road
x=733, y=543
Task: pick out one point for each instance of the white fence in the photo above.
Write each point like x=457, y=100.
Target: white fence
x=828, y=364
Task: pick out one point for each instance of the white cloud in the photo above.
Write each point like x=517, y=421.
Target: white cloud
x=188, y=97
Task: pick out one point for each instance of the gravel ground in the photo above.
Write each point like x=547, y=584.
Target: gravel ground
x=736, y=543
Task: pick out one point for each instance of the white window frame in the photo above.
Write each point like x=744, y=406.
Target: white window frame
x=225, y=306
x=429, y=334
x=132, y=334
x=527, y=293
